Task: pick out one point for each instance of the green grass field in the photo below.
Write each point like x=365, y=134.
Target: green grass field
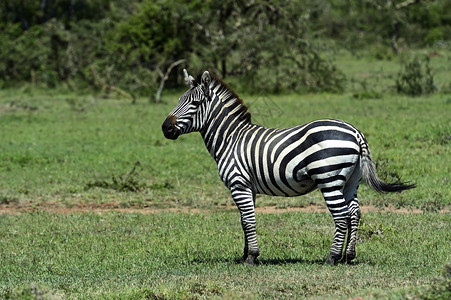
x=63, y=148
x=60, y=148
x=181, y=255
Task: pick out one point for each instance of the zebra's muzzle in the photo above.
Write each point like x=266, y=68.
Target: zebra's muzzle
x=170, y=129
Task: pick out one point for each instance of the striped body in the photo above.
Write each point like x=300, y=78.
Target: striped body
x=331, y=155
x=292, y=161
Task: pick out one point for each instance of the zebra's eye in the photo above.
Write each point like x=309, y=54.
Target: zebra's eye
x=196, y=101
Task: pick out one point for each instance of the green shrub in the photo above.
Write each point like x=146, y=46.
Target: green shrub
x=434, y=35
x=416, y=78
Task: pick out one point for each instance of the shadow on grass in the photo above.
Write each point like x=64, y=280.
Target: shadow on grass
x=271, y=261
x=288, y=261
x=261, y=262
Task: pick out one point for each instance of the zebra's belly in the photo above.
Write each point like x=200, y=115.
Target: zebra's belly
x=296, y=188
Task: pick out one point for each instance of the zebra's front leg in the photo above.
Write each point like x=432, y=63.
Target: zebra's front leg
x=245, y=201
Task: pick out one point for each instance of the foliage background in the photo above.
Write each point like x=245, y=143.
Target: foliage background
x=276, y=46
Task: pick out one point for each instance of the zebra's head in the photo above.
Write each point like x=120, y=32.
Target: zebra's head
x=191, y=111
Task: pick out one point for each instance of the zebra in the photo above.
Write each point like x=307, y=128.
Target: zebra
x=327, y=154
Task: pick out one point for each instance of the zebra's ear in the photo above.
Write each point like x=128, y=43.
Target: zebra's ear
x=189, y=80
x=205, y=82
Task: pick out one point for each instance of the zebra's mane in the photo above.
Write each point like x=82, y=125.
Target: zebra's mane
x=227, y=93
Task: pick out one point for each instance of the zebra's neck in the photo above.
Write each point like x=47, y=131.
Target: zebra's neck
x=226, y=117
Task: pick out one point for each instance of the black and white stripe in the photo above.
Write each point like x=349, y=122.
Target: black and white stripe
x=331, y=155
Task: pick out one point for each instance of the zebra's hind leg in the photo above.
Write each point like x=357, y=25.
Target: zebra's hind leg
x=353, y=225
x=350, y=193
x=245, y=200
x=341, y=226
x=333, y=194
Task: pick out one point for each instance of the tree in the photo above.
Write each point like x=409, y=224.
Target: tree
x=266, y=45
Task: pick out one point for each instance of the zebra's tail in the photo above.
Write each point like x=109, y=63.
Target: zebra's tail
x=370, y=176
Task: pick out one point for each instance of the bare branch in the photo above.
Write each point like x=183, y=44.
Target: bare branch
x=100, y=82
x=165, y=77
x=159, y=72
x=406, y=3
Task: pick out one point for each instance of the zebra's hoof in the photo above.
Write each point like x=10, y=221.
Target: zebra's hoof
x=332, y=260
x=350, y=257
x=250, y=260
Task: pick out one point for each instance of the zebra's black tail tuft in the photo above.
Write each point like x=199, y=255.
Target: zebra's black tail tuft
x=370, y=177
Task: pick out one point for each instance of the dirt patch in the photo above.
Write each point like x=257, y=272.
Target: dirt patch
x=319, y=208
x=14, y=208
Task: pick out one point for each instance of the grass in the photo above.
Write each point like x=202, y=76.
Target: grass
x=60, y=148
x=55, y=152
x=171, y=255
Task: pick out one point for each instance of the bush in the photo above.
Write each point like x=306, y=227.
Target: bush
x=416, y=78
x=260, y=45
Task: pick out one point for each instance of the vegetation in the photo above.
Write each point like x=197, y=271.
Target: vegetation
x=65, y=148
x=416, y=78
x=189, y=255
x=127, y=46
